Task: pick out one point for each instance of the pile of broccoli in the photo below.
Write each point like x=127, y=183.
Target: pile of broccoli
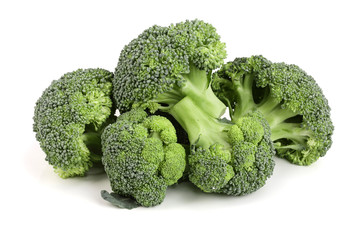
x=172, y=88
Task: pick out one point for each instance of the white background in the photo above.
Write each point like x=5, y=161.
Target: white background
x=41, y=40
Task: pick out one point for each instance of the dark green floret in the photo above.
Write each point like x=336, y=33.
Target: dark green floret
x=290, y=100
x=69, y=118
x=142, y=157
x=169, y=69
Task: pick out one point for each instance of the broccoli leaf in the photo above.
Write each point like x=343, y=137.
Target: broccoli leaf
x=118, y=200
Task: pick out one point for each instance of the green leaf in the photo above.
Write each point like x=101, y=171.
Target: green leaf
x=119, y=201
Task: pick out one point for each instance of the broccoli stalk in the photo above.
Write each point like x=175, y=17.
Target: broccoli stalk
x=195, y=87
x=91, y=137
x=203, y=130
x=92, y=140
x=198, y=109
x=277, y=116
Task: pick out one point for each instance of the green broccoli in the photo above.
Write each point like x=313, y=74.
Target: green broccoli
x=290, y=100
x=69, y=118
x=240, y=164
x=169, y=69
x=141, y=156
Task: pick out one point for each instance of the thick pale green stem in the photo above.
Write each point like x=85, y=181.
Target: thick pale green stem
x=245, y=101
x=197, y=87
x=203, y=130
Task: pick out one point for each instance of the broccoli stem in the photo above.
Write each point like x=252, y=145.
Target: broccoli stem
x=245, y=100
x=203, y=130
x=285, y=129
x=274, y=112
x=155, y=134
x=197, y=109
x=92, y=141
x=294, y=135
x=290, y=131
x=268, y=106
x=197, y=87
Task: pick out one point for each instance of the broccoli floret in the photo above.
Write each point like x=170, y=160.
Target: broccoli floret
x=238, y=166
x=69, y=118
x=290, y=100
x=141, y=156
x=252, y=159
x=165, y=64
x=169, y=69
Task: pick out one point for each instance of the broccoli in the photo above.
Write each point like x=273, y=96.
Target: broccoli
x=171, y=88
x=69, y=118
x=240, y=164
x=290, y=100
x=141, y=156
x=169, y=69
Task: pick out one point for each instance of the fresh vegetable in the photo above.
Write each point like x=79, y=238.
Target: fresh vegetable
x=69, y=119
x=169, y=69
x=172, y=88
x=290, y=100
x=142, y=157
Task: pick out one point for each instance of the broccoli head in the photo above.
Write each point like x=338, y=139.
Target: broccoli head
x=69, y=118
x=168, y=69
x=291, y=101
x=241, y=165
x=165, y=64
x=142, y=156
